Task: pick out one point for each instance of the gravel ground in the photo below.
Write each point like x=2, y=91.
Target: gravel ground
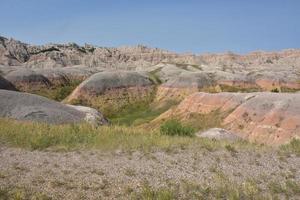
x=84, y=174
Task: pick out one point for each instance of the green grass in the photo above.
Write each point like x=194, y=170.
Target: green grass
x=227, y=88
x=291, y=148
x=140, y=113
x=57, y=93
x=148, y=193
x=289, y=90
x=275, y=90
x=154, y=77
x=41, y=136
x=184, y=66
x=174, y=127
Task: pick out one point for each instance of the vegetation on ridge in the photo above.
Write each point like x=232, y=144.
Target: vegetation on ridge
x=57, y=93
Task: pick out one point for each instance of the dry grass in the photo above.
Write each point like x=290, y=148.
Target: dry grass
x=222, y=188
x=20, y=193
x=77, y=136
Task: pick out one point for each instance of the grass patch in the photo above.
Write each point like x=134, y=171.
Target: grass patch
x=289, y=90
x=184, y=66
x=84, y=136
x=174, y=127
x=222, y=188
x=58, y=93
x=228, y=88
x=292, y=147
x=140, y=113
x=148, y=193
x=154, y=77
x=288, y=188
x=19, y=193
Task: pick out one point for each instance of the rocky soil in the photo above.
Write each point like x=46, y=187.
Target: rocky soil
x=123, y=175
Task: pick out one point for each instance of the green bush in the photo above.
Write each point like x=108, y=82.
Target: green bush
x=174, y=127
x=275, y=90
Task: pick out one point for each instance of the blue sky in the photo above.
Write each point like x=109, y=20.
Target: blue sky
x=183, y=26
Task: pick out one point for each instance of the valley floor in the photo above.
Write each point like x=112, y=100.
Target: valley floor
x=178, y=173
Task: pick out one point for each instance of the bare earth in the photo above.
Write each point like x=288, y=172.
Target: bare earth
x=84, y=174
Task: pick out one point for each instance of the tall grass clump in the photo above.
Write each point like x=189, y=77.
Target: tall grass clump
x=292, y=147
x=174, y=127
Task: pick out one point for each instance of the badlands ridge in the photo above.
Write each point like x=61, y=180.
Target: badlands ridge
x=255, y=96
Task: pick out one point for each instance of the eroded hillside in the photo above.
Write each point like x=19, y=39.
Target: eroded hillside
x=88, y=122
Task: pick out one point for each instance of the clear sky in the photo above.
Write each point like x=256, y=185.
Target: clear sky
x=178, y=25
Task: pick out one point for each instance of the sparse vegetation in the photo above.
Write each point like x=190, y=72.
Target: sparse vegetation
x=123, y=101
x=289, y=90
x=223, y=188
x=17, y=193
x=58, y=93
x=292, y=147
x=202, y=122
x=154, y=77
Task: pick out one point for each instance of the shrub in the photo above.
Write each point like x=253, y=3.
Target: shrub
x=174, y=127
x=231, y=149
x=275, y=90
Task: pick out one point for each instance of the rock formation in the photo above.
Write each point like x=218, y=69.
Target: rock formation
x=13, y=52
x=6, y=85
x=112, y=90
x=218, y=134
x=31, y=80
x=179, y=81
x=264, y=117
x=92, y=116
x=116, y=78
x=184, y=84
x=29, y=107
